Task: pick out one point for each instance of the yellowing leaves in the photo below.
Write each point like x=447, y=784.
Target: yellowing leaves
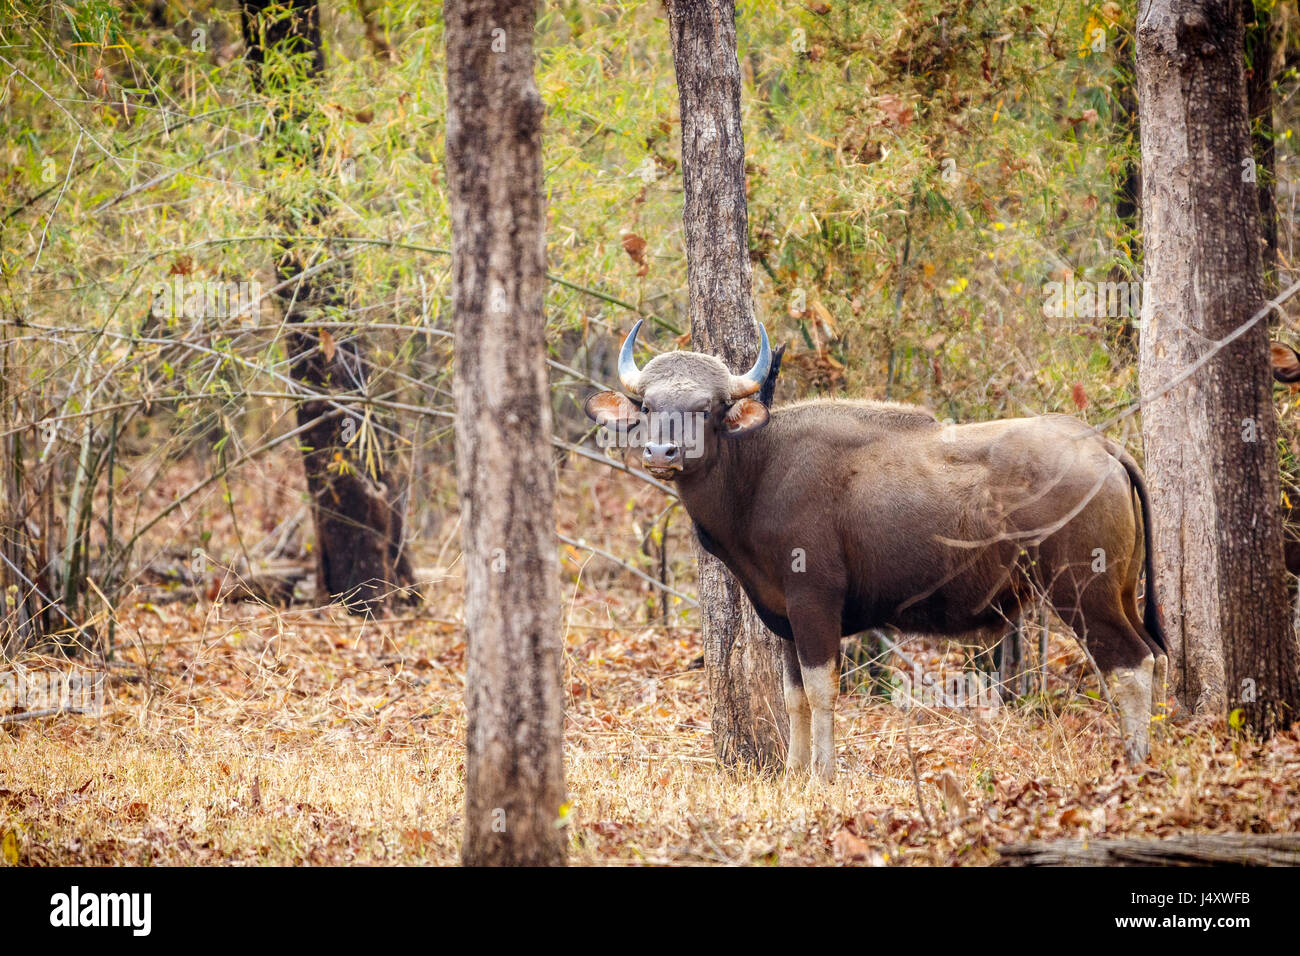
x=1094, y=37
x=824, y=317
x=564, y=815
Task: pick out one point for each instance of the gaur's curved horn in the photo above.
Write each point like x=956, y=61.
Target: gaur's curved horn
x=628, y=373
x=752, y=381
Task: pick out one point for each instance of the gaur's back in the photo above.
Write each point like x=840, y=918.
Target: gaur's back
x=840, y=418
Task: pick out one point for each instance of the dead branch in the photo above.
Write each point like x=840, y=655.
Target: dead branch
x=1196, y=849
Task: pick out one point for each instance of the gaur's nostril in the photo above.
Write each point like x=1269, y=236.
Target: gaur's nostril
x=670, y=451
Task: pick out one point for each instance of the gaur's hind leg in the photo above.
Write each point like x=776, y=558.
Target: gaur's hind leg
x=796, y=705
x=816, y=622
x=1130, y=684
x=1122, y=655
x=1160, y=669
x=1128, y=592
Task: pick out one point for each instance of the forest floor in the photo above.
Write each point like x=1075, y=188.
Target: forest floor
x=239, y=733
x=235, y=734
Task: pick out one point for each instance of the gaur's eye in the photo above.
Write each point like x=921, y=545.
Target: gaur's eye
x=645, y=409
x=706, y=416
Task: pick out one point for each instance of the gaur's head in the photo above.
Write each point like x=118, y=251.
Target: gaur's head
x=681, y=405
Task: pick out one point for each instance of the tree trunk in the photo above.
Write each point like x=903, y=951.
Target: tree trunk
x=514, y=768
x=1259, y=105
x=361, y=559
x=741, y=656
x=1211, y=441
x=1128, y=186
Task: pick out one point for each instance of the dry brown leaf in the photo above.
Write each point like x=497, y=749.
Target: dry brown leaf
x=953, y=797
x=897, y=111
x=850, y=847
x=1074, y=817
x=635, y=247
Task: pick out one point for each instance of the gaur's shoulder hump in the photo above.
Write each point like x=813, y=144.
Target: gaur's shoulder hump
x=892, y=414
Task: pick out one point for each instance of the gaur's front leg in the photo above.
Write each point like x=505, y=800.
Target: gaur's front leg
x=816, y=622
x=796, y=705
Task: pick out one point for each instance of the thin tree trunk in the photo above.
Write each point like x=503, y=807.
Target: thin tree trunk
x=1210, y=443
x=514, y=768
x=1128, y=187
x=741, y=656
x=1259, y=104
x=361, y=558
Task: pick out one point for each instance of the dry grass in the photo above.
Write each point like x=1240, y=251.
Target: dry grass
x=234, y=733
x=256, y=737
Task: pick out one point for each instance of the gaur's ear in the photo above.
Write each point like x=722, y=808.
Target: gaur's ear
x=1285, y=362
x=745, y=417
x=610, y=409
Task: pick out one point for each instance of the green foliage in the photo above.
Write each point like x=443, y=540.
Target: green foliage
x=917, y=171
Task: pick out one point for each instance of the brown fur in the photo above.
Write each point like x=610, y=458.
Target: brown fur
x=840, y=516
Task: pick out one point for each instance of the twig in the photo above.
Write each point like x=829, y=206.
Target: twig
x=58, y=199
x=689, y=601
x=165, y=175
x=85, y=132
x=1215, y=349
x=897, y=651
x=33, y=714
x=437, y=251
x=916, y=774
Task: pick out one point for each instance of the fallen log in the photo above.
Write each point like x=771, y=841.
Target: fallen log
x=1193, y=849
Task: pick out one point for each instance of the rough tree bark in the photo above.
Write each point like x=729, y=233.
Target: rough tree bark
x=1210, y=442
x=361, y=560
x=741, y=656
x=514, y=769
x=1259, y=105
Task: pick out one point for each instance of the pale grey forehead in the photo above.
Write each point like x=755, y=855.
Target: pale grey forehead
x=682, y=376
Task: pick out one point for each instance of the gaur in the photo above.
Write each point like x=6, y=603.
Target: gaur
x=840, y=516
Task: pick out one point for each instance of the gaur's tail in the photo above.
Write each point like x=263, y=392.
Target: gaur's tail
x=1151, y=614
